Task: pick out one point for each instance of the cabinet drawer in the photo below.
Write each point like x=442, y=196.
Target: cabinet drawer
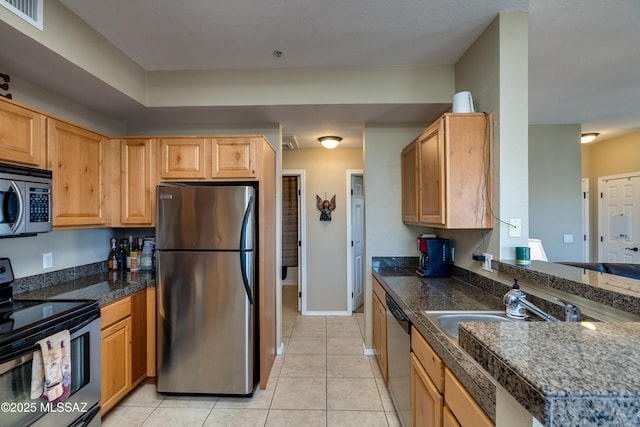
x=116, y=311
x=428, y=358
x=380, y=293
x=462, y=404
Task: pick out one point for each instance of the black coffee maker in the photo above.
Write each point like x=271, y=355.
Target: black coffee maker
x=435, y=257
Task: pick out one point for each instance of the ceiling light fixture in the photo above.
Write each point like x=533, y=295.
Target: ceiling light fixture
x=588, y=137
x=329, y=141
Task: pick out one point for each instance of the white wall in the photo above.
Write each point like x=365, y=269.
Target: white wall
x=555, y=194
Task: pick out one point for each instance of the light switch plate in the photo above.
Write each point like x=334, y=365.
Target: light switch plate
x=515, y=227
x=47, y=260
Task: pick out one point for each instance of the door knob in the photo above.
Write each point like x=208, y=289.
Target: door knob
x=631, y=249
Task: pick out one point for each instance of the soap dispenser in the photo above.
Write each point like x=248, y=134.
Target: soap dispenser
x=512, y=301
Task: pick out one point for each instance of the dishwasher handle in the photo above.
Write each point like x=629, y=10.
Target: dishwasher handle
x=398, y=313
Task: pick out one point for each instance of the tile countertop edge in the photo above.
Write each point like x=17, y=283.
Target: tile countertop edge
x=102, y=287
x=474, y=378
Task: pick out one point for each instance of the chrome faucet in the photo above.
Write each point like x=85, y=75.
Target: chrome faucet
x=572, y=313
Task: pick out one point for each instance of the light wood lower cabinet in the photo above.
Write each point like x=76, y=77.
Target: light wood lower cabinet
x=437, y=397
x=125, y=328
x=462, y=405
x=116, y=353
x=379, y=328
x=426, y=400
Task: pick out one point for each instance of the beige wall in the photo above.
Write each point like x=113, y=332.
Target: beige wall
x=326, y=242
x=495, y=70
x=614, y=156
x=555, y=194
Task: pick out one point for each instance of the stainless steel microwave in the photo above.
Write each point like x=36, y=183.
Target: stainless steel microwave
x=25, y=201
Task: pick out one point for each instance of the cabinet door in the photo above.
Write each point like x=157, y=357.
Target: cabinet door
x=138, y=337
x=410, y=183
x=233, y=157
x=431, y=175
x=448, y=420
x=80, y=163
x=22, y=135
x=380, y=335
x=426, y=401
x=462, y=405
x=137, y=194
x=183, y=158
x=116, y=363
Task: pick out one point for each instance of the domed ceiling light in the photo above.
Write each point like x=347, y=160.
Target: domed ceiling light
x=329, y=141
x=585, y=138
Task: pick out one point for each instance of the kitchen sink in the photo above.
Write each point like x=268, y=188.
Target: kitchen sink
x=448, y=321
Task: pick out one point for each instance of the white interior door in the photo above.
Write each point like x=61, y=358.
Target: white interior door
x=357, y=244
x=619, y=219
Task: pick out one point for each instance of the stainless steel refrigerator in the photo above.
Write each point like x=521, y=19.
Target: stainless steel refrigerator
x=205, y=236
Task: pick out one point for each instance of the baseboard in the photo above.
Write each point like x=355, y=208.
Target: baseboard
x=280, y=350
x=327, y=313
x=368, y=351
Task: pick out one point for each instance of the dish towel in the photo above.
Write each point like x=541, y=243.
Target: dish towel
x=51, y=368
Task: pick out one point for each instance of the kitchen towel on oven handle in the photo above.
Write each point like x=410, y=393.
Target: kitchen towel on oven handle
x=51, y=368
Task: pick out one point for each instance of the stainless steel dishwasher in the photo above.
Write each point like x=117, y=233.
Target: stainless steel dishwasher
x=399, y=359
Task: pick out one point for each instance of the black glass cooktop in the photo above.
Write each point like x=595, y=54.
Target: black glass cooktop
x=19, y=314
x=24, y=322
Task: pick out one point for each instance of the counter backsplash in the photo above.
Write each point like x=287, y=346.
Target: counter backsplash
x=44, y=280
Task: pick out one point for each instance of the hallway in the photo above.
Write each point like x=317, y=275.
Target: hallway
x=322, y=379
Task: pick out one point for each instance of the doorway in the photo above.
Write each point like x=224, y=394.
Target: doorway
x=355, y=241
x=293, y=226
x=619, y=218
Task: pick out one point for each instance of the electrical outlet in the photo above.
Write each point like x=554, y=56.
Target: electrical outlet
x=515, y=227
x=486, y=264
x=47, y=260
x=567, y=238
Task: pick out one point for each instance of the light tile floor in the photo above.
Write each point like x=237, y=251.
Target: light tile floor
x=322, y=379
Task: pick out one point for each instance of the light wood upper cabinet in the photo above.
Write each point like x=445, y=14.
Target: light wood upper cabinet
x=453, y=176
x=79, y=160
x=234, y=157
x=137, y=182
x=183, y=158
x=22, y=135
x=409, y=179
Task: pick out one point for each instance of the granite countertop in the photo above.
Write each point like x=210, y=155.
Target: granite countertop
x=104, y=287
x=415, y=294
x=562, y=373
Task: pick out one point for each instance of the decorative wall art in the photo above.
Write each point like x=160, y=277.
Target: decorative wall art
x=325, y=207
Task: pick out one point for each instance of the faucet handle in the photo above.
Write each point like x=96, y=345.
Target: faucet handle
x=571, y=312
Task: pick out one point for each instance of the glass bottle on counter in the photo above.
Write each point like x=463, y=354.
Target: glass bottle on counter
x=112, y=261
x=122, y=257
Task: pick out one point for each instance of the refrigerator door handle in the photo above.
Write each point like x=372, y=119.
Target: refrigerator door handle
x=245, y=225
x=245, y=278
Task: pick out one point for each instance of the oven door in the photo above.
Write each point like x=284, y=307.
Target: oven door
x=81, y=408
x=12, y=207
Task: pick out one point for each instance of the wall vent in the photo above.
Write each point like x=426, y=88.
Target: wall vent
x=289, y=142
x=29, y=10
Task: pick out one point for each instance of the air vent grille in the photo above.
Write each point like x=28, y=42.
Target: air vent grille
x=29, y=10
x=289, y=142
